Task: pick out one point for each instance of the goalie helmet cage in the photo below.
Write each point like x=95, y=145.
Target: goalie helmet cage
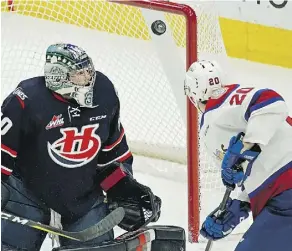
x=144, y=47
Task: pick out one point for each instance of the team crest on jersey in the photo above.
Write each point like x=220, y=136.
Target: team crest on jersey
x=75, y=148
x=55, y=122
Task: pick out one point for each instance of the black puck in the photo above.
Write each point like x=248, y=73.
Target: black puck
x=158, y=27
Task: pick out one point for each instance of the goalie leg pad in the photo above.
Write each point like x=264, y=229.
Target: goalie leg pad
x=109, y=246
x=169, y=238
x=154, y=238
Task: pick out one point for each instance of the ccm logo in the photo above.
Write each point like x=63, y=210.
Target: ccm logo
x=97, y=118
x=12, y=218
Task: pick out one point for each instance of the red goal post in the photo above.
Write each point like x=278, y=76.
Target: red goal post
x=192, y=115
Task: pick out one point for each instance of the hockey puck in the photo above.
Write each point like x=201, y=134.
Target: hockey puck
x=158, y=27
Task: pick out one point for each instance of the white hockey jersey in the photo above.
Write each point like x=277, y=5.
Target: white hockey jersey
x=262, y=115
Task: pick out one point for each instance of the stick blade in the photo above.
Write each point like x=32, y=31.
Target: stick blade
x=102, y=227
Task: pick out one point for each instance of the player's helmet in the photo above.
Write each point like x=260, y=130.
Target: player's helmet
x=203, y=80
x=69, y=71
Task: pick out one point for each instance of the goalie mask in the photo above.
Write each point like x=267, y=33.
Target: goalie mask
x=203, y=81
x=70, y=72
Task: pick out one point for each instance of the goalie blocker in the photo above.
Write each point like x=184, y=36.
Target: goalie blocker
x=154, y=238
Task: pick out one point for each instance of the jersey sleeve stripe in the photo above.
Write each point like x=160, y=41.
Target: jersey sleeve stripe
x=5, y=170
x=120, y=158
x=8, y=150
x=20, y=101
x=265, y=103
x=272, y=178
x=261, y=99
x=274, y=185
x=112, y=179
x=125, y=156
x=118, y=141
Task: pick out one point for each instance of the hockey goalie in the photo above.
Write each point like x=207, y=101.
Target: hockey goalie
x=64, y=149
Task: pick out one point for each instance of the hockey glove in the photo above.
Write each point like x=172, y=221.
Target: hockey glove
x=231, y=171
x=140, y=204
x=217, y=227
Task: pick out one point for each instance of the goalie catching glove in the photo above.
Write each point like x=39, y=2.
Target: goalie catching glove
x=140, y=204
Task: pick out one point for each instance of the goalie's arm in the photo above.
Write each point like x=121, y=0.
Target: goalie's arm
x=116, y=148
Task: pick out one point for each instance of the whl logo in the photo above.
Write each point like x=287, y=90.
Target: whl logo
x=75, y=149
x=55, y=122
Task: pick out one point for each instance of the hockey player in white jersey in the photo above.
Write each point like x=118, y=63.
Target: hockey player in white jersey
x=249, y=132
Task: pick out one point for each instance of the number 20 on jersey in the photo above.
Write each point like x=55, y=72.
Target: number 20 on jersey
x=239, y=96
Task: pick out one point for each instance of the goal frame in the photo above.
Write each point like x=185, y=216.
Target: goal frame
x=192, y=115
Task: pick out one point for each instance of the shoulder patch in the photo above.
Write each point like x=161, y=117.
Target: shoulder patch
x=19, y=92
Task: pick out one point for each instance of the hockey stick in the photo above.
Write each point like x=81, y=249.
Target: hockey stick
x=102, y=227
x=221, y=208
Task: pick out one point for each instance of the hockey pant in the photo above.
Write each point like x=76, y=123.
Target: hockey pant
x=24, y=204
x=272, y=228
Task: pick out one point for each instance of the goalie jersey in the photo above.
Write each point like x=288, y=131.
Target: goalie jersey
x=263, y=116
x=57, y=147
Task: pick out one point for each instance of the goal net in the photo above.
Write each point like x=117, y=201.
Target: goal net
x=145, y=59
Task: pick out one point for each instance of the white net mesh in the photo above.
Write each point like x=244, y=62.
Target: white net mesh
x=117, y=38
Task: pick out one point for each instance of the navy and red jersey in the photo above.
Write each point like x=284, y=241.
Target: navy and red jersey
x=57, y=147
